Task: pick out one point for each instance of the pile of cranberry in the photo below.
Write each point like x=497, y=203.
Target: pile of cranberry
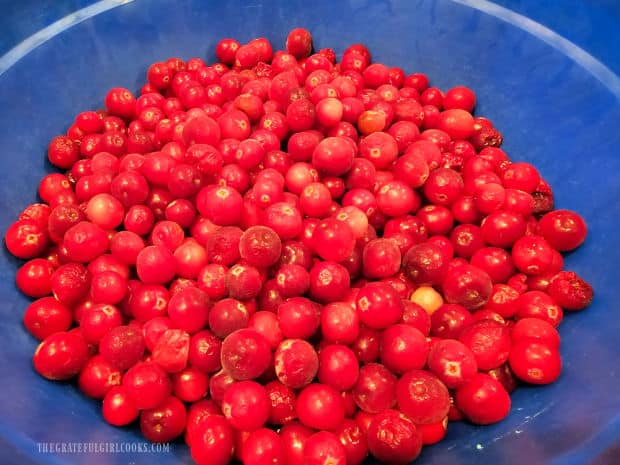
x=293, y=261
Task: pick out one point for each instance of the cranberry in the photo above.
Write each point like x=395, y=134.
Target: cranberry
x=320, y=406
x=537, y=304
x=415, y=315
x=246, y=405
x=61, y=355
x=26, y=239
x=164, y=422
x=223, y=245
x=379, y=305
x=155, y=265
x=425, y=263
x=284, y=219
x=338, y=367
x=536, y=329
x=299, y=43
x=282, y=400
x=489, y=341
x=381, y=258
x=47, y=316
x=292, y=280
x=212, y=442
x=324, y=448
x=339, y=323
x=570, y=291
x=220, y=204
x=122, y=347
x=298, y=317
x=118, y=407
x=245, y=354
x=147, y=384
x=296, y=363
x=535, y=362
x=460, y=97
x=204, y=351
x=243, y=282
x=34, y=277
x=393, y=438
x=432, y=433
x=375, y=389
x=449, y=320
x=522, y=176
x=403, y=348
x=120, y=102
x=452, y=362
x=483, y=400
x=329, y=282
x=563, y=229
x=333, y=240
x=97, y=320
x=467, y=285
x=422, y=397
x=496, y=262
x=263, y=446
x=149, y=301
x=395, y=198
x=353, y=440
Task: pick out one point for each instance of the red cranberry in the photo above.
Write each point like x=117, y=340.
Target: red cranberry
x=563, y=229
x=320, y=406
x=339, y=323
x=164, y=422
x=333, y=240
x=570, y=291
x=61, y=355
x=403, y=348
x=263, y=446
x=118, y=407
x=422, y=397
x=147, y=384
x=294, y=436
x=379, y=305
x=449, y=320
x=536, y=329
x=122, y=347
x=522, y=176
x=212, y=442
x=489, y=341
x=496, y=262
x=324, y=448
x=381, y=258
x=246, y=405
x=483, y=400
x=298, y=317
x=460, y=97
x=537, y=304
x=47, y=316
x=338, y=367
x=296, y=363
x=329, y=282
x=245, y=354
x=468, y=286
x=375, y=389
x=452, y=362
x=223, y=245
x=394, y=438
x=282, y=400
x=425, y=264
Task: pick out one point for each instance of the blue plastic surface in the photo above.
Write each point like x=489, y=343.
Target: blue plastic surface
x=556, y=105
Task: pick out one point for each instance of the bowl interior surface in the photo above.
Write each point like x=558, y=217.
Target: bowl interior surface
x=552, y=111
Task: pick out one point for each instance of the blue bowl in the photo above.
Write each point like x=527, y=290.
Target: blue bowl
x=556, y=106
